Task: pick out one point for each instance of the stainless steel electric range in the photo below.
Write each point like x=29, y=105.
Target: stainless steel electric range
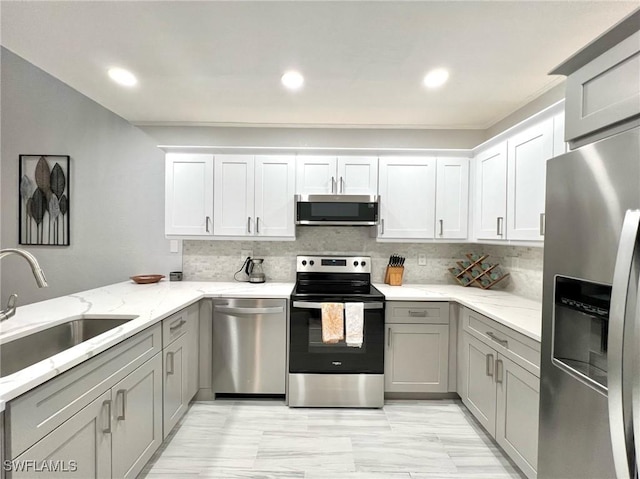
x=335, y=375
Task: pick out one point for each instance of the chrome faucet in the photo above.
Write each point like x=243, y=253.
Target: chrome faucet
x=37, y=273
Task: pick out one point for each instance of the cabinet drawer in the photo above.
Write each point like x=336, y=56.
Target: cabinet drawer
x=419, y=312
x=517, y=347
x=176, y=325
x=38, y=412
x=605, y=91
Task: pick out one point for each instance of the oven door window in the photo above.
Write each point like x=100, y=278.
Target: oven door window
x=308, y=354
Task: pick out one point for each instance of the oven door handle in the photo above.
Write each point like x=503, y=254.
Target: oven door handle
x=309, y=305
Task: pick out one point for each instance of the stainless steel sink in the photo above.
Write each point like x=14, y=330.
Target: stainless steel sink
x=28, y=350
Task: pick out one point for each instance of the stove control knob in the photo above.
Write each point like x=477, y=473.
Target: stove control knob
x=311, y=263
x=355, y=263
x=363, y=263
x=304, y=262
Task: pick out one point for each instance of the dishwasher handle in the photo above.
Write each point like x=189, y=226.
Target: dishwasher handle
x=236, y=310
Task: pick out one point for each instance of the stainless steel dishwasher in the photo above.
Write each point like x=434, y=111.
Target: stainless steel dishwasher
x=249, y=346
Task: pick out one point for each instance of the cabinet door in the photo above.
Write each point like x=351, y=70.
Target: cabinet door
x=479, y=390
x=358, y=175
x=193, y=350
x=527, y=167
x=188, y=194
x=137, y=418
x=417, y=357
x=274, y=195
x=452, y=198
x=316, y=175
x=175, y=383
x=517, y=414
x=81, y=446
x=407, y=197
x=233, y=195
x=491, y=192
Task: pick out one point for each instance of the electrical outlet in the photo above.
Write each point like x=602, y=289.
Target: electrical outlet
x=422, y=259
x=245, y=253
x=173, y=246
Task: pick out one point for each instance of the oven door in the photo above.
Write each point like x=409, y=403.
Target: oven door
x=308, y=354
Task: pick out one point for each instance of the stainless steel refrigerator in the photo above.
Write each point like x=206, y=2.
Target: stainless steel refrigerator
x=590, y=365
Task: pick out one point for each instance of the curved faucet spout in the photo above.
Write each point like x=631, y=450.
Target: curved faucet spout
x=38, y=274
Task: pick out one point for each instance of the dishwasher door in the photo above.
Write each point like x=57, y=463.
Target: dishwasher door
x=249, y=346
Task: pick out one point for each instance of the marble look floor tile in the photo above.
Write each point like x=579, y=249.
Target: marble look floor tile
x=267, y=440
x=304, y=452
x=393, y=452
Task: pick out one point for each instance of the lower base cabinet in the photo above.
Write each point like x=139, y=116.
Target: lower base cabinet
x=80, y=447
x=176, y=401
x=416, y=358
x=504, y=398
x=113, y=436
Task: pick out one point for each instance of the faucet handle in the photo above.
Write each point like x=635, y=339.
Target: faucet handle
x=13, y=300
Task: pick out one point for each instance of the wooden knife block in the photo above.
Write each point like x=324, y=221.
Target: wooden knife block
x=393, y=275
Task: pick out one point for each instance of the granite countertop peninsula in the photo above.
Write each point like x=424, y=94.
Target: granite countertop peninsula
x=148, y=304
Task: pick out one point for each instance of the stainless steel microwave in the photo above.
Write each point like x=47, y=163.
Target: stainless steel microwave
x=347, y=210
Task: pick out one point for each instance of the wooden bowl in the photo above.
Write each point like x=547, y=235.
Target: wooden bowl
x=147, y=278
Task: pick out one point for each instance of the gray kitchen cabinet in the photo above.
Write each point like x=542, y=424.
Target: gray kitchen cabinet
x=499, y=385
x=137, y=418
x=603, y=92
x=175, y=397
x=80, y=447
x=518, y=401
x=417, y=347
x=180, y=363
x=2, y=475
x=479, y=389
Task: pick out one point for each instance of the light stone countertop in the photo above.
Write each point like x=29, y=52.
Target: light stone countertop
x=518, y=313
x=151, y=303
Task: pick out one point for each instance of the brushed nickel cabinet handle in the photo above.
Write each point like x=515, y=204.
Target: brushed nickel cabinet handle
x=107, y=429
x=123, y=394
x=499, y=370
x=489, y=365
x=177, y=325
x=388, y=337
x=249, y=224
x=500, y=226
x=503, y=342
x=417, y=314
x=382, y=226
x=542, y=224
x=341, y=185
x=333, y=185
x=170, y=361
x=441, y=227
x=258, y=225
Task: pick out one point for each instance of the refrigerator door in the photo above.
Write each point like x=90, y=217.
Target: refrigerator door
x=588, y=194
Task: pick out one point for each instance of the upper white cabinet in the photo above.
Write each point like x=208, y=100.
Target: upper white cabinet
x=353, y=175
x=452, y=198
x=407, y=197
x=527, y=155
x=491, y=192
x=254, y=196
x=188, y=194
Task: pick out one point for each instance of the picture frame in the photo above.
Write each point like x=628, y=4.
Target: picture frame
x=44, y=200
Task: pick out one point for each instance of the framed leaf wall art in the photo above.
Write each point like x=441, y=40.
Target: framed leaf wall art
x=44, y=200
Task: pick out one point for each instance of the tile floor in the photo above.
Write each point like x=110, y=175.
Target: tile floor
x=263, y=439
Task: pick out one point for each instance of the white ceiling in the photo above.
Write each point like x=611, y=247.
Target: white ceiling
x=221, y=62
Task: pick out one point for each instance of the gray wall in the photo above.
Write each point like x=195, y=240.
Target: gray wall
x=117, y=186
x=219, y=260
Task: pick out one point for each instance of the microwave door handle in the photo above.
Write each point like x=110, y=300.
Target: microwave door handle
x=619, y=422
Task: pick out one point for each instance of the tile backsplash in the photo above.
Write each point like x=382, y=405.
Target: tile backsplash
x=219, y=260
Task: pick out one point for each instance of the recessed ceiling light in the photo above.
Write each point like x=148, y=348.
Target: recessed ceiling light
x=436, y=78
x=292, y=80
x=122, y=76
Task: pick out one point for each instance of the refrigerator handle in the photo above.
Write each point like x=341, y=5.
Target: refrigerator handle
x=620, y=424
